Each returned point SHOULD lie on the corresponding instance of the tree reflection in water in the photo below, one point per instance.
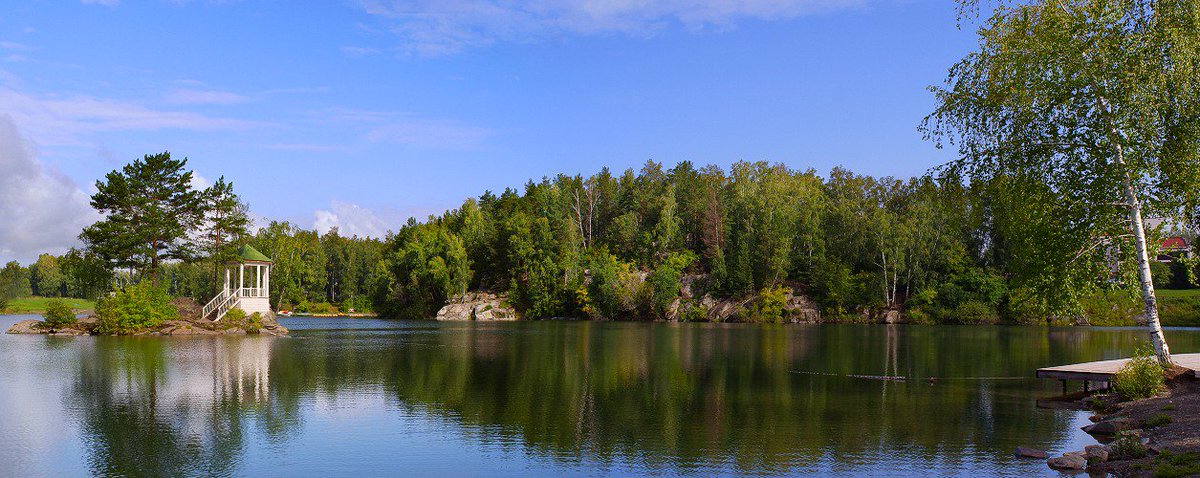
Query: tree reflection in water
(680, 398)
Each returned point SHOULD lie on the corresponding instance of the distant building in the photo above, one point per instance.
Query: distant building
(1173, 248)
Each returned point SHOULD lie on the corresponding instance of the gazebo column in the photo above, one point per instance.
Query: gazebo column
(241, 277)
(266, 280)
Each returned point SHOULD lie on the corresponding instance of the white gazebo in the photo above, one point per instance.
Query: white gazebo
(252, 291)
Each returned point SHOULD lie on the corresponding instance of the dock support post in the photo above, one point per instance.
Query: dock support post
(1064, 385)
(1086, 384)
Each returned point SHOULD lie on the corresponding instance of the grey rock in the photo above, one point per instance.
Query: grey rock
(1026, 452)
(1096, 453)
(1110, 427)
(1070, 461)
(481, 306)
(26, 327)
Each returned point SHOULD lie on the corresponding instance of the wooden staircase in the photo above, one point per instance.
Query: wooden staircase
(220, 305)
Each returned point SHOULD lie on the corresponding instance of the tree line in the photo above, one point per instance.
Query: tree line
(623, 246)
(657, 243)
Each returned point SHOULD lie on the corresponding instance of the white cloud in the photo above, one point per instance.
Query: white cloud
(350, 219)
(199, 182)
(187, 96)
(436, 27)
(61, 120)
(40, 210)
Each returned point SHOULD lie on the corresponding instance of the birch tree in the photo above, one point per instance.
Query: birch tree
(1096, 100)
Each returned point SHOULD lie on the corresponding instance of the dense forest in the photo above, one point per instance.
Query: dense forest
(621, 247)
(643, 245)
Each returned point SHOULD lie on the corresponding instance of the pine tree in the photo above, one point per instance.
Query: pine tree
(150, 208)
(225, 225)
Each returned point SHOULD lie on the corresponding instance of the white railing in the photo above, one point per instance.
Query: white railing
(254, 292)
(220, 305)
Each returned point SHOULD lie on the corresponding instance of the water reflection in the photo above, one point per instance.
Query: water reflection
(152, 407)
(581, 396)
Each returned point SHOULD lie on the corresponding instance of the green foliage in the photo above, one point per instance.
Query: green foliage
(612, 291)
(769, 305)
(1162, 274)
(1158, 420)
(1111, 307)
(86, 275)
(1139, 378)
(1176, 465)
(234, 315)
(1127, 446)
(237, 317)
(46, 278)
(972, 312)
(224, 226)
(426, 265)
(14, 281)
(1080, 116)
(149, 210)
(137, 307)
(58, 314)
(1180, 310)
(664, 282)
(254, 323)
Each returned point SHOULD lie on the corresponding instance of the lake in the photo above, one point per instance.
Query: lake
(369, 397)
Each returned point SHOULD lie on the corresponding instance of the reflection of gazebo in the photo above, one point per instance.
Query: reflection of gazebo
(252, 293)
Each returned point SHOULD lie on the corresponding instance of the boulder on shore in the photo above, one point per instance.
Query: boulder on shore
(483, 306)
(1096, 453)
(30, 326)
(1069, 461)
(1110, 427)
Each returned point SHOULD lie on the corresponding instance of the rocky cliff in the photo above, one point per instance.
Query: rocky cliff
(482, 306)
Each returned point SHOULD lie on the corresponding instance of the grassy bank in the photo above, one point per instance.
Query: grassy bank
(37, 305)
(1179, 308)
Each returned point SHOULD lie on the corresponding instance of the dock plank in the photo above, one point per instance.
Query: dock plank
(1102, 370)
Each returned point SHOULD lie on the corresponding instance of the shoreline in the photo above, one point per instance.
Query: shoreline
(1156, 436)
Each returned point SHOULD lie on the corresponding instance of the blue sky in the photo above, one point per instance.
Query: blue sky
(362, 113)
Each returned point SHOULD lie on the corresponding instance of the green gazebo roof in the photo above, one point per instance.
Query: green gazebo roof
(250, 254)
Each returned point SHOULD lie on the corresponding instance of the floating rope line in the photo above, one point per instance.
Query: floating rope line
(901, 378)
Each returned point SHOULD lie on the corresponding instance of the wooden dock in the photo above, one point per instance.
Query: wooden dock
(1103, 370)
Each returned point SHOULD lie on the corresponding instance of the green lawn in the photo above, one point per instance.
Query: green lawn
(37, 305)
(1177, 293)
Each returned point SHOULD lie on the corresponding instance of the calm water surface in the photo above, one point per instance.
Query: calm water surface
(365, 397)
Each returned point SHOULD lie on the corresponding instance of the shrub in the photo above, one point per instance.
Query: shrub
(918, 317)
(3, 303)
(1172, 465)
(695, 313)
(770, 305)
(1158, 420)
(664, 281)
(1128, 445)
(137, 307)
(58, 314)
(1111, 307)
(254, 323)
(322, 308)
(1161, 273)
(973, 312)
(234, 316)
(1141, 377)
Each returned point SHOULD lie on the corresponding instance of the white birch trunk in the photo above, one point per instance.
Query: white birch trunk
(1143, 258)
(1161, 350)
